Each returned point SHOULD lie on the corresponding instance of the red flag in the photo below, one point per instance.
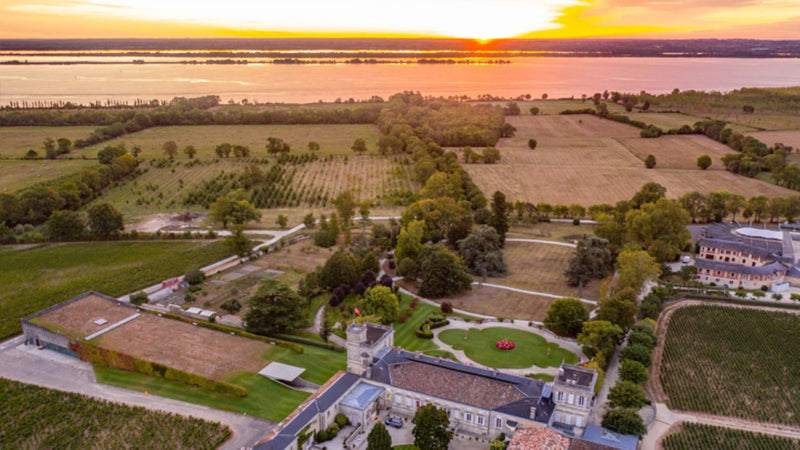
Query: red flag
(356, 311)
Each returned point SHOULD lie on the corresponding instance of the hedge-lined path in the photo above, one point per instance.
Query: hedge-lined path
(53, 370)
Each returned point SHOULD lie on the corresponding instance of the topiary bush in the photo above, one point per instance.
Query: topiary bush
(231, 305)
(194, 276)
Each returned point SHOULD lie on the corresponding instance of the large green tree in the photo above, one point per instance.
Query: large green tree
(636, 267)
(630, 370)
(600, 335)
(65, 225)
(566, 316)
(481, 252)
(499, 218)
(430, 428)
(443, 274)
(592, 259)
(38, 203)
(380, 302)
(274, 308)
(228, 209)
(340, 268)
(409, 241)
(625, 421)
(105, 220)
(619, 309)
(627, 394)
(379, 438)
(661, 228)
(238, 243)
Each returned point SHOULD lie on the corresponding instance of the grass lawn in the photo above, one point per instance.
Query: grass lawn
(530, 350)
(333, 139)
(320, 363)
(404, 332)
(265, 399)
(18, 174)
(33, 278)
(35, 417)
(15, 141)
(549, 231)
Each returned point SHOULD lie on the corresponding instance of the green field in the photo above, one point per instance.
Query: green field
(531, 349)
(33, 278)
(333, 139)
(696, 435)
(15, 141)
(320, 364)
(404, 332)
(35, 417)
(17, 174)
(265, 398)
(734, 362)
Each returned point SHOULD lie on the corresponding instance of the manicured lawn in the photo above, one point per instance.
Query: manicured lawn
(35, 417)
(33, 278)
(530, 350)
(404, 332)
(265, 398)
(320, 363)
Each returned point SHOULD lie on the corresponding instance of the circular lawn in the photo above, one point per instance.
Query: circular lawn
(529, 349)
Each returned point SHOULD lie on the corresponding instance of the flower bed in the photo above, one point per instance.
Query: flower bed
(505, 344)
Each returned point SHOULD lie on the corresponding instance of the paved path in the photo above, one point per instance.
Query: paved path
(523, 291)
(541, 241)
(54, 370)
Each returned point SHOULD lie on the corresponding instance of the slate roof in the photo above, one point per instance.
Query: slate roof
(766, 269)
(604, 438)
(739, 246)
(285, 432)
(575, 376)
(461, 383)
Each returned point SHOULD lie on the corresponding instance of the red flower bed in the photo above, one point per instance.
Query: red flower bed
(505, 344)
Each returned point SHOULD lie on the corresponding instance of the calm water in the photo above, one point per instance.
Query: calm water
(558, 77)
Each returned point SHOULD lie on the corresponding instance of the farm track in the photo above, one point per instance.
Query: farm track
(667, 419)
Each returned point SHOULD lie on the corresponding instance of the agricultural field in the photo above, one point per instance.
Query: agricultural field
(36, 277)
(555, 106)
(309, 185)
(18, 174)
(678, 152)
(665, 121)
(787, 137)
(540, 268)
(35, 417)
(333, 139)
(15, 141)
(587, 160)
(696, 435)
(730, 361)
(531, 349)
(549, 231)
(502, 303)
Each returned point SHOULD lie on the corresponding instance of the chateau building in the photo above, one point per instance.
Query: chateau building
(480, 402)
(737, 264)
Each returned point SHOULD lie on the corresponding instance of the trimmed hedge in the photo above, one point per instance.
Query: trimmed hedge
(116, 360)
(302, 340)
(433, 321)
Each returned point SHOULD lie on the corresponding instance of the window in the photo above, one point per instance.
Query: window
(581, 401)
(480, 420)
(468, 417)
(498, 422)
(416, 403)
(578, 421)
(560, 396)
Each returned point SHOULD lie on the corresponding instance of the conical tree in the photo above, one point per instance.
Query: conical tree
(379, 438)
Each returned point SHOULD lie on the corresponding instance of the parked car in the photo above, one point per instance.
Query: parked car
(394, 422)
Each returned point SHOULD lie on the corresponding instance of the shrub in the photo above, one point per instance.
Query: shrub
(627, 394)
(231, 305)
(446, 307)
(139, 298)
(643, 338)
(194, 276)
(321, 436)
(341, 420)
(532, 144)
(637, 352)
(408, 269)
(333, 430)
(650, 161)
(633, 371)
(624, 420)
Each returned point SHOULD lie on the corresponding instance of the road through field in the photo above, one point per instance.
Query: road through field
(53, 370)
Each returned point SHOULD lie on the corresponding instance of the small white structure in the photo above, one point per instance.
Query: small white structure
(281, 372)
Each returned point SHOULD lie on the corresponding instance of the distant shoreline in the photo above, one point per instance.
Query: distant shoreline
(405, 48)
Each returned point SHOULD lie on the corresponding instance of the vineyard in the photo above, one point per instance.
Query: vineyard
(35, 417)
(699, 436)
(733, 362)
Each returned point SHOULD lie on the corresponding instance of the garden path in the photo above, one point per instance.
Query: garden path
(523, 291)
(540, 241)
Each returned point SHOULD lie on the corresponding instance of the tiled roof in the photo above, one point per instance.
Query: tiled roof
(538, 439)
(766, 269)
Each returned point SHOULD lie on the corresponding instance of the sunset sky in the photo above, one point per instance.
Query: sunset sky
(478, 19)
